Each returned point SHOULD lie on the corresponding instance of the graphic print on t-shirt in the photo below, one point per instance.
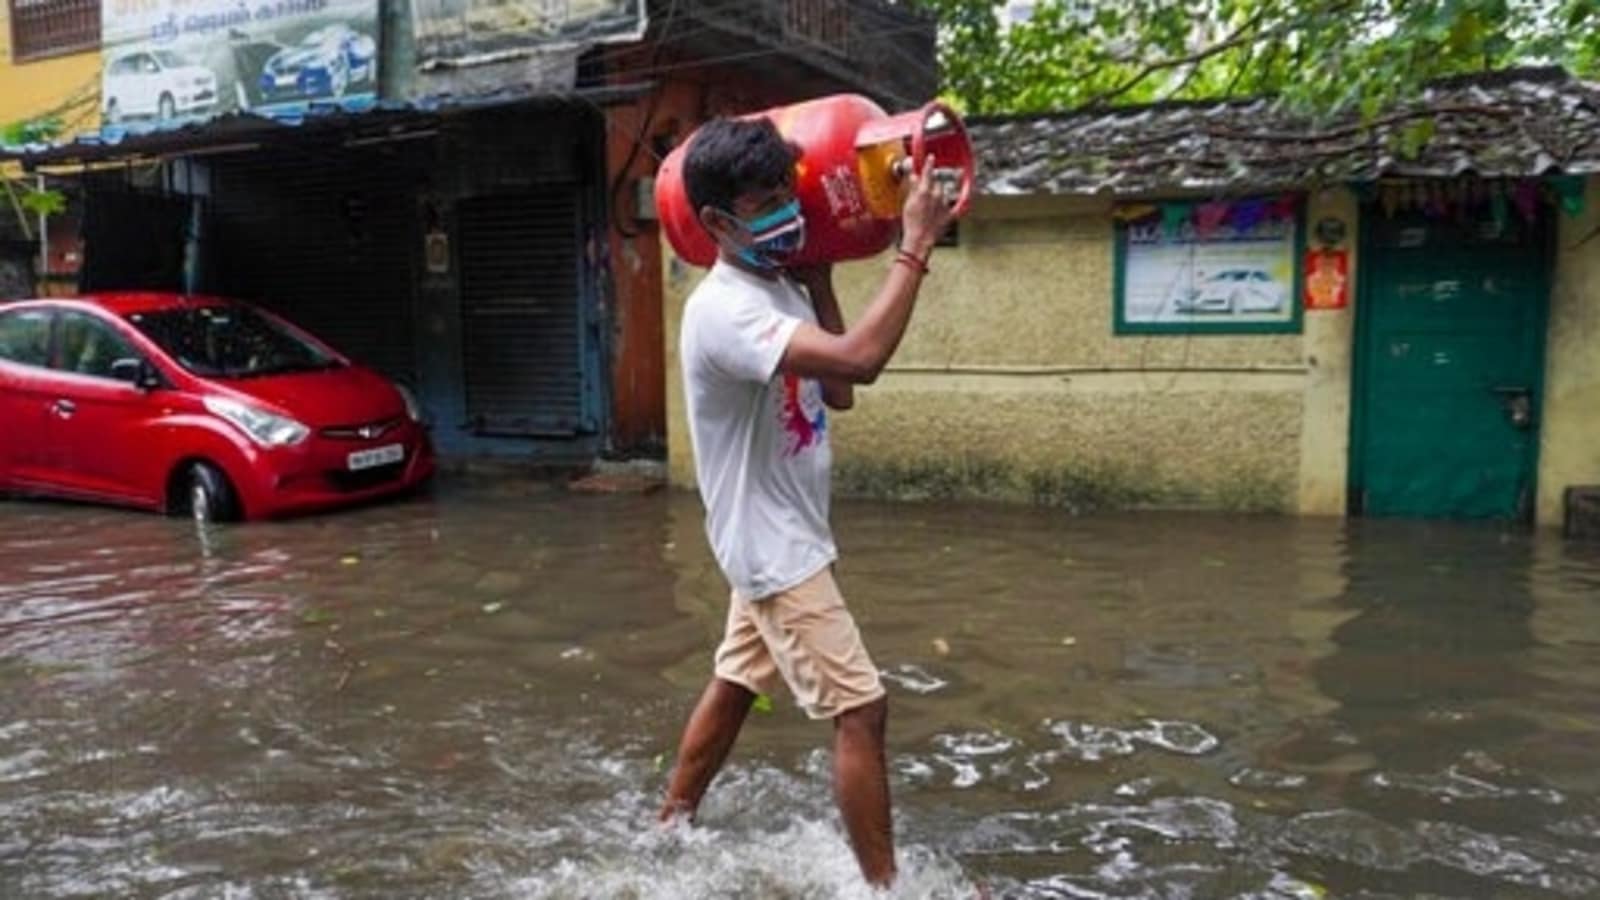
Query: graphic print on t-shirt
(804, 417)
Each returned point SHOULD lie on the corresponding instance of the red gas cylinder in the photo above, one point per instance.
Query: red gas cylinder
(849, 179)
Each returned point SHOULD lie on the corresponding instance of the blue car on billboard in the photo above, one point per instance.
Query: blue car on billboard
(326, 63)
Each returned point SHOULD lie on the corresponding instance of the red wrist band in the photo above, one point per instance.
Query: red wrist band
(912, 260)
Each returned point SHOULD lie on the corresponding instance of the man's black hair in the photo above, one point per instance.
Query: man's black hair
(730, 157)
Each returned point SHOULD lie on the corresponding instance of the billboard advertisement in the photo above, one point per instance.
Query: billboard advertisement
(473, 32)
(172, 61)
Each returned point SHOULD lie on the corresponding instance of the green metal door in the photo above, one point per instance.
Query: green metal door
(1450, 357)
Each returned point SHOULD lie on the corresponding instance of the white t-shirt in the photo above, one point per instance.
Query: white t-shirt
(761, 451)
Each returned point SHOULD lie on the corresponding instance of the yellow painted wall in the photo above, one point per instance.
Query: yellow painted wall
(679, 279)
(1569, 439)
(30, 89)
(1010, 383)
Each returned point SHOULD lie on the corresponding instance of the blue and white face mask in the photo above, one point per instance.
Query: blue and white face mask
(774, 238)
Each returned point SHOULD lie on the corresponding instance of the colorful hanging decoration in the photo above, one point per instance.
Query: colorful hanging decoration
(1440, 200)
(1210, 216)
(1465, 201)
(1247, 214)
(1499, 208)
(1176, 215)
(1418, 197)
(1568, 191)
(1470, 200)
(1392, 196)
(1284, 206)
(1525, 196)
(1364, 191)
(1135, 212)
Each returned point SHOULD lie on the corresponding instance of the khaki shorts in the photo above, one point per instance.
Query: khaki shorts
(805, 636)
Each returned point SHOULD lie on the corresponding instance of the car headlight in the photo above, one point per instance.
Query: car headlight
(413, 408)
(266, 429)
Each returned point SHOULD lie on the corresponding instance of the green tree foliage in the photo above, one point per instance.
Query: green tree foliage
(26, 201)
(1322, 56)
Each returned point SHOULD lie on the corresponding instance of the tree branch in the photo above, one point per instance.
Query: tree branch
(16, 206)
(1239, 36)
(1246, 33)
(1272, 60)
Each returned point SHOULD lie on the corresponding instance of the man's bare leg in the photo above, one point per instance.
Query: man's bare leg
(708, 737)
(861, 788)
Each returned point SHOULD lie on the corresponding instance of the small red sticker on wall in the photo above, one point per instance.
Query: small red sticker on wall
(1327, 279)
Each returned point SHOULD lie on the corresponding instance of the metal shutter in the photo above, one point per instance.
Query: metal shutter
(519, 304)
(133, 241)
(324, 236)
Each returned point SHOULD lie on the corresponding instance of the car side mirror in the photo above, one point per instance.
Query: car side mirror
(136, 372)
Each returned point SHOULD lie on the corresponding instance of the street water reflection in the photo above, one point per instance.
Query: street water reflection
(476, 694)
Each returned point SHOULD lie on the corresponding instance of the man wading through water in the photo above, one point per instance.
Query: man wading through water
(764, 347)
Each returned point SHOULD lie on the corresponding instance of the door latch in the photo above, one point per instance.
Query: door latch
(1517, 401)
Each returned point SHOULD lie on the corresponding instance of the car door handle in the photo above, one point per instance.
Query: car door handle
(64, 408)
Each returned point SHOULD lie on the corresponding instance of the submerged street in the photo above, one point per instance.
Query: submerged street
(476, 693)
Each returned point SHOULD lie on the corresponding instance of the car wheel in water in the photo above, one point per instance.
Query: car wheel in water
(210, 497)
(167, 108)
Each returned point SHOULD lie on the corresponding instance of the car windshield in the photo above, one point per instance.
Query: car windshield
(168, 59)
(230, 342)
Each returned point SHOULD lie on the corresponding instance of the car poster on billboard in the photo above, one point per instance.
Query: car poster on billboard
(473, 32)
(1222, 266)
(174, 61)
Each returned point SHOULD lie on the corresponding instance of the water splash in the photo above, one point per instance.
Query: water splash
(1093, 743)
(801, 858)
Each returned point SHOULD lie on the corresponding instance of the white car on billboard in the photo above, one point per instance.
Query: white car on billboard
(157, 83)
(1232, 291)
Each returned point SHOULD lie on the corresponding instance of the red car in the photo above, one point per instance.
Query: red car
(195, 405)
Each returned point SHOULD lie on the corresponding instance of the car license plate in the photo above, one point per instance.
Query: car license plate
(377, 456)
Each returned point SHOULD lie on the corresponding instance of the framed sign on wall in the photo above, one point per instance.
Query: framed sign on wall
(1229, 267)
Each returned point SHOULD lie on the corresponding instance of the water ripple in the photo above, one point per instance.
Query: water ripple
(914, 678)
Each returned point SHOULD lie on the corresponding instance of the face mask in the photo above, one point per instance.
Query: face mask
(774, 238)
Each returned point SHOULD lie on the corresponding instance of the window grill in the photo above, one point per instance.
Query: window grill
(45, 28)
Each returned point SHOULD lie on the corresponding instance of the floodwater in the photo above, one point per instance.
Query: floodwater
(476, 694)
